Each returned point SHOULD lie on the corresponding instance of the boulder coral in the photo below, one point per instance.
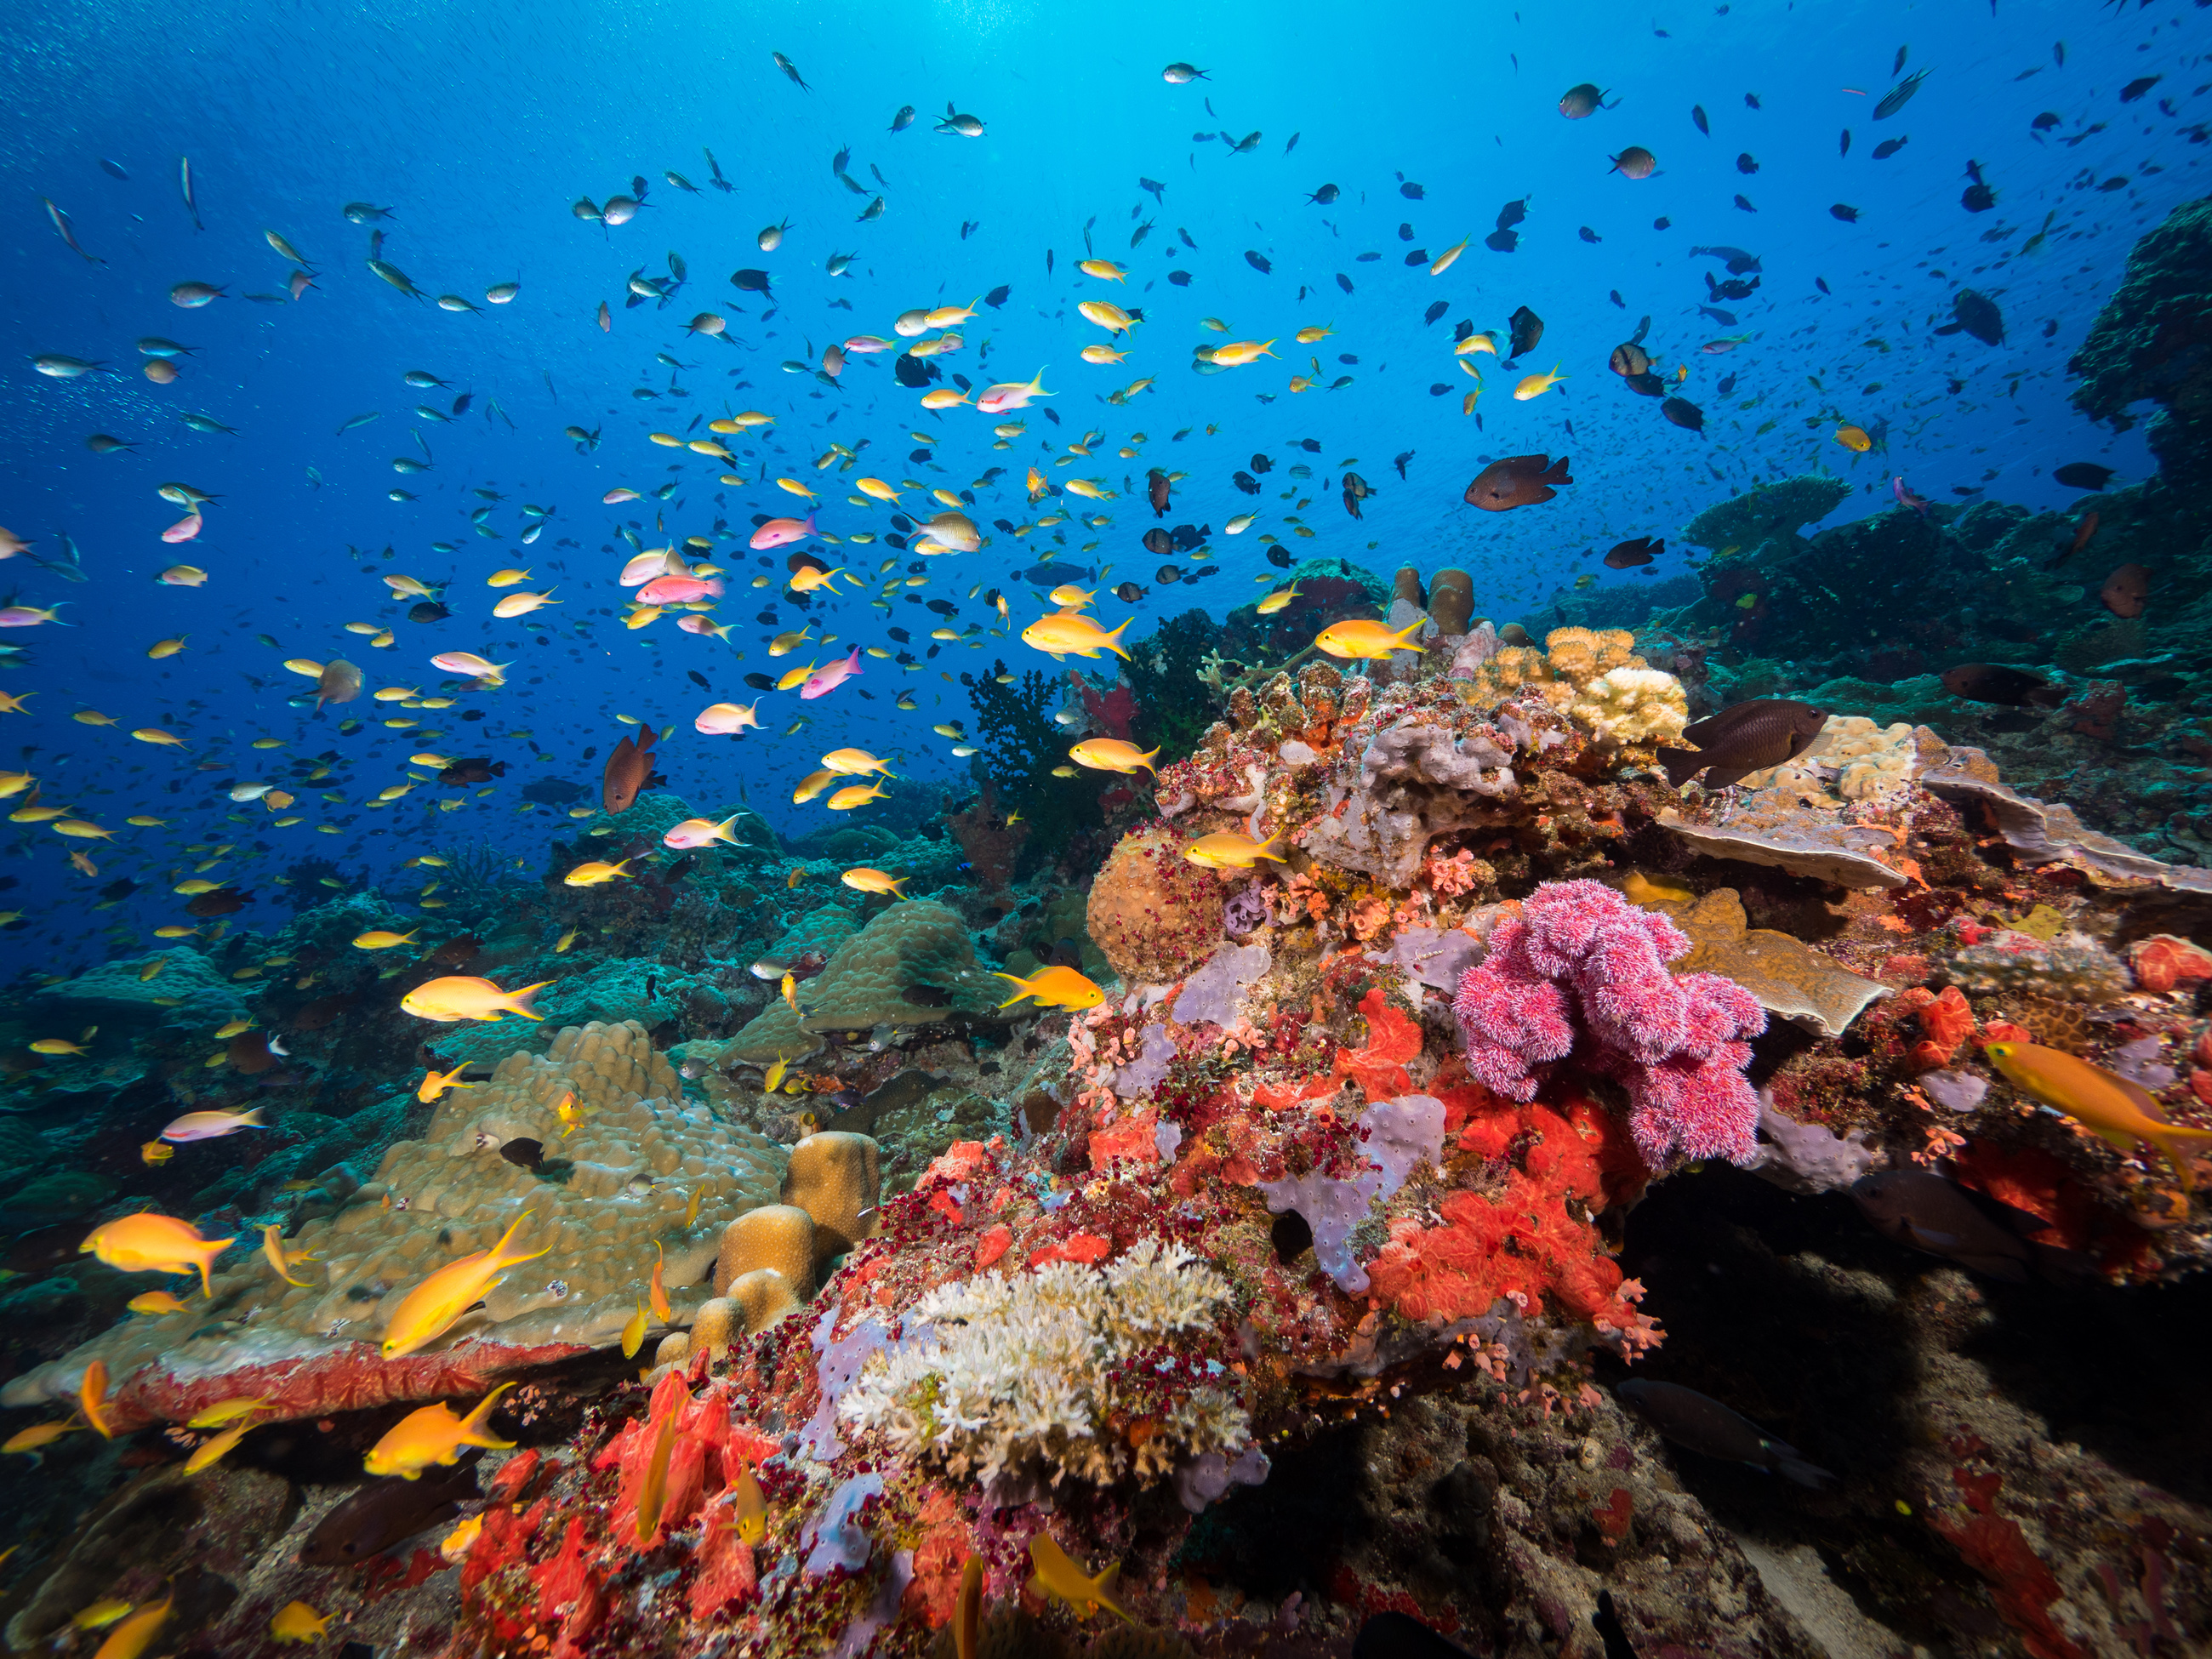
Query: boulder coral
(1154, 912)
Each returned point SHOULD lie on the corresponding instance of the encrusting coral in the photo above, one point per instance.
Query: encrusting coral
(1582, 972)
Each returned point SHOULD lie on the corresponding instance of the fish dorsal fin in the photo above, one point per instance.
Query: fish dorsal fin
(2144, 1100)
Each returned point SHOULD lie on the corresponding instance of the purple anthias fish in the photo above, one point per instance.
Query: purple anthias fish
(1917, 503)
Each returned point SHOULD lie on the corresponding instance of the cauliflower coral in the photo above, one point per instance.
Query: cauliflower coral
(1096, 1372)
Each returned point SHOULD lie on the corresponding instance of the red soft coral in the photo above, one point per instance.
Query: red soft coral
(1393, 1039)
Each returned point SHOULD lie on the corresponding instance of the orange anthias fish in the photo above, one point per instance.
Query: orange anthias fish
(429, 1311)
(434, 1435)
(151, 1243)
(2102, 1101)
(657, 1293)
(131, 1638)
(1059, 1577)
(672, 1397)
(92, 1398)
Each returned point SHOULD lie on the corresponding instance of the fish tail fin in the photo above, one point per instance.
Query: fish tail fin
(251, 1119)
(899, 888)
(714, 587)
(1682, 764)
(1013, 979)
(1409, 629)
(518, 1002)
(1036, 385)
(1112, 642)
(205, 1257)
(499, 1250)
(473, 1433)
(811, 530)
(1262, 851)
(1144, 760)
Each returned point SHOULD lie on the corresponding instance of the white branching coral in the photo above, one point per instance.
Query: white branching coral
(1633, 704)
(1069, 1370)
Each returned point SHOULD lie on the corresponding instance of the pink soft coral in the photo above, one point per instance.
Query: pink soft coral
(1583, 971)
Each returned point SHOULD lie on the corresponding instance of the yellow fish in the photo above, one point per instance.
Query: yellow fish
(454, 1547)
(1054, 988)
(1057, 1576)
(272, 1248)
(213, 1451)
(131, 1638)
(2108, 1104)
(38, 1435)
(295, 1621)
(1106, 269)
(1313, 334)
(654, 1489)
(857, 795)
(1535, 386)
(1443, 260)
(1101, 354)
(1112, 755)
(382, 939)
(595, 873)
(1278, 600)
(462, 996)
(92, 1398)
(1854, 439)
(1237, 353)
(500, 579)
(152, 1243)
(434, 1435)
(1068, 597)
(435, 1083)
(806, 578)
(225, 1410)
(865, 880)
(750, 1504)
(156, 1303)
(1111, 318)
(429, 1310)
(855, 762)
(784, 644)
(811, 786)
(1370, 641)
(796, 677)
(633, 1333)
(100, 1614)
(1068, 633)
(1228, 850)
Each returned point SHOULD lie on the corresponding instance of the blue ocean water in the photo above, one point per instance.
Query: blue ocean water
(476, 129)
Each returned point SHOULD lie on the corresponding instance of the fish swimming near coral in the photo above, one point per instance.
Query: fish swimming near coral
(1054, 988)
(2001, 682)
(2104, 1102)
(1743, 738)
(1922, 1210)
(385, 1512)
(629, 770)
(1706, 1426)
(1057, 1576)
(1517, 481)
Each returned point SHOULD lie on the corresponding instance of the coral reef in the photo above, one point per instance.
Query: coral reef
(2151, 342)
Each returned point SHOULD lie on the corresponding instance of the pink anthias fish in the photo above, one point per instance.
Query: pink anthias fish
(701, 832)
(679, 589)
(702, 625)
(781, 533)
(821, 683)
(1917, 503)
(727, 719)
(1010, 394)
(184, 529)
(212, 1126)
